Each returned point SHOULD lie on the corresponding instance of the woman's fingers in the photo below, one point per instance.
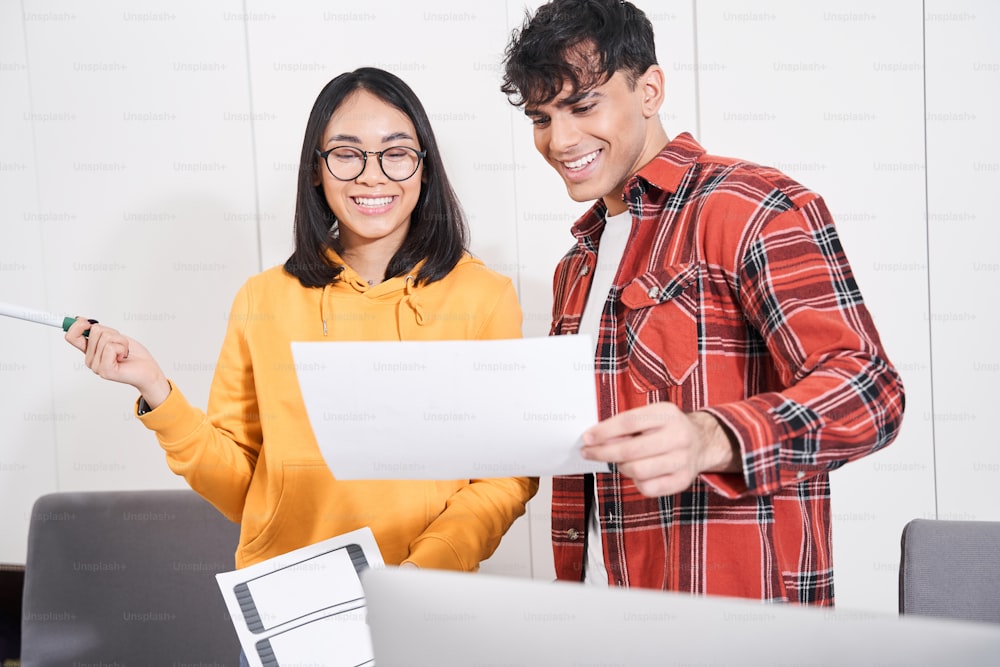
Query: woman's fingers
(75, 334)
(106, 349)
(114, 356)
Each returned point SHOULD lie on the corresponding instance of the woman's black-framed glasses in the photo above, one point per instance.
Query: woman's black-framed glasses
(346, 163)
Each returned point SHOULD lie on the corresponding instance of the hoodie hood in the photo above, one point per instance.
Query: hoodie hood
(400, 293)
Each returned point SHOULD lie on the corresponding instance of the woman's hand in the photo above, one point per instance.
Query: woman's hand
(114, 356)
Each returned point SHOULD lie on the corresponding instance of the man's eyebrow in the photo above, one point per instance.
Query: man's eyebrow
(576, 98)
(568, 101)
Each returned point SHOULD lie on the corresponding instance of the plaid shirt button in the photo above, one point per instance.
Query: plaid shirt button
(653, 292)
(572, 533)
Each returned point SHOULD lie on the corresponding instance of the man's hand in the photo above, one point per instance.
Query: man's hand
(661, 448)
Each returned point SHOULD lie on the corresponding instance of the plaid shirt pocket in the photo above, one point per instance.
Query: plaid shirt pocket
(661, 326)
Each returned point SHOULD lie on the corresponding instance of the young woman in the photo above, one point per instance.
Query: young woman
(379, 255)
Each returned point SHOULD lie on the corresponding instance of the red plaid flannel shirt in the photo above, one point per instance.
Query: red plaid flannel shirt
(734, 296)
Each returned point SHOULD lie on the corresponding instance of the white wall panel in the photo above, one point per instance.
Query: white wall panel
(286, 75)
(833, 96)
(447, 51)
(545, 213)
(456, 71)
(27, 411)
(963, 112)
(146, 158)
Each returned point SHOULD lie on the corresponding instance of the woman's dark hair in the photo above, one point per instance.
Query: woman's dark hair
(437, 230)
(583, 42)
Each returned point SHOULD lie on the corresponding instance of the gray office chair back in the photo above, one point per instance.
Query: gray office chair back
(951, 569)
(127, 578)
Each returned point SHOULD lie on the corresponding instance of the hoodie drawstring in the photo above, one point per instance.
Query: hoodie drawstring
(322, 307)
(410, 300)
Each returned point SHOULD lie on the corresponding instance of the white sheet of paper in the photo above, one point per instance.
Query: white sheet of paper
(306, 606)
(450, 409)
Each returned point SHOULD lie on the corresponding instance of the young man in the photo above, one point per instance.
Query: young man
(736, 361)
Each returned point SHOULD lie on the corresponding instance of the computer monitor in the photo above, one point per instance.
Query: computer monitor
(425, 617)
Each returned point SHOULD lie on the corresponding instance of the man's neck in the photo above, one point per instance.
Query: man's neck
(614, 200)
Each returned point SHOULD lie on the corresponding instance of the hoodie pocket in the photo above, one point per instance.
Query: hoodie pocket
(661, 326)
(285, 516)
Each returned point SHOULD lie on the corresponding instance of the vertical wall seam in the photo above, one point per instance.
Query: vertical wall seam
(697, 70)
(253, 140)
(927, 242)
(517, 273)
(41, 244)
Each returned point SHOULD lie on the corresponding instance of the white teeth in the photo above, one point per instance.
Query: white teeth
(373, 202)
(582, 162)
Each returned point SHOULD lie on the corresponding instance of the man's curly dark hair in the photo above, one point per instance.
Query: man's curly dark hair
(582, 42)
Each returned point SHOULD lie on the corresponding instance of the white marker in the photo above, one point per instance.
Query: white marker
(38, 316)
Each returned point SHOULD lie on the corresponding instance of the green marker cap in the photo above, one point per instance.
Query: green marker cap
(68, 322)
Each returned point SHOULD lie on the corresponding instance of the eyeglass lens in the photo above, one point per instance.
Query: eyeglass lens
(347, 163)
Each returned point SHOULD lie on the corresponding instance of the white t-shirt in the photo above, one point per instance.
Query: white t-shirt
(609, 255)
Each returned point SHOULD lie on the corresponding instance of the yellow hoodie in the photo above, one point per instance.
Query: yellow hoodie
(254, 455)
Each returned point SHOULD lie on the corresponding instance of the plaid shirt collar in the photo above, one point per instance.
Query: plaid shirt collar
(664, 172)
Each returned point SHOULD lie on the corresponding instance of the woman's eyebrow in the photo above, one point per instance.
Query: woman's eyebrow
(353, 139)
(396, 136)
(349, 138)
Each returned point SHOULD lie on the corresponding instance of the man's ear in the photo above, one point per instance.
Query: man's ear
(650, 85)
